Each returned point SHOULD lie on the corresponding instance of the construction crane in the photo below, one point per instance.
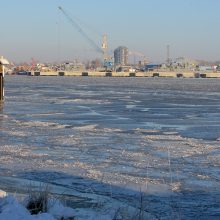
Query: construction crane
(102, 50)
(139, 55)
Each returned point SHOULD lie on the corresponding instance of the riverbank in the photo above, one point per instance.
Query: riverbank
(15, 207)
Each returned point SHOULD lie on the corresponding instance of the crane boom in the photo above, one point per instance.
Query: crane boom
(80, 30)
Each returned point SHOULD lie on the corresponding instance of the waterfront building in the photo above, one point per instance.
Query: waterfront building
(121, 56)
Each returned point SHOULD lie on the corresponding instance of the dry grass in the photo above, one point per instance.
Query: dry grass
(38, 200)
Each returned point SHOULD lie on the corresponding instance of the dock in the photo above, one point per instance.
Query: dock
(130, 74)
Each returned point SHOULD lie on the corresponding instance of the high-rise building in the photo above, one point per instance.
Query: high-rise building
(121, 56)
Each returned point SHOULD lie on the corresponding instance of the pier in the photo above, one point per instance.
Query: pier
(164, 74)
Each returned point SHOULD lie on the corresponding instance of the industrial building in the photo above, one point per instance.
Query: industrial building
(121, 56)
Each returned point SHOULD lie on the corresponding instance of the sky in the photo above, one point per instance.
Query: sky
(38, 29)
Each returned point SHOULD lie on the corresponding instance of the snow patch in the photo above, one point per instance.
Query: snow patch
(2, 194)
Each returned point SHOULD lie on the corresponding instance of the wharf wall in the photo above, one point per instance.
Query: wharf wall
(131, 74)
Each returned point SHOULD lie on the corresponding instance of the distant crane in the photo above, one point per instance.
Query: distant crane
(137, 54)
(102, 50)
(168, 55)
(33, 64)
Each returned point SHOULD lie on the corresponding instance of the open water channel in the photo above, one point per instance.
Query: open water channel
(149, 143)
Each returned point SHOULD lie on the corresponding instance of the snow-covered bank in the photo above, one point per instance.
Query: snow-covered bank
(12, 208)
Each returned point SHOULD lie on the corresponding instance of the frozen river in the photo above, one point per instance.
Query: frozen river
(151, 143)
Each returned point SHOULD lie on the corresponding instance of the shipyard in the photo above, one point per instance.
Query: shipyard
(120, 67)
(122, 62)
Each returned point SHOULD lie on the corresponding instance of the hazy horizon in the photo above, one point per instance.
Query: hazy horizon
(38, 29)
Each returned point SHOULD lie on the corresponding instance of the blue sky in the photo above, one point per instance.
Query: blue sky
(36, 28)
